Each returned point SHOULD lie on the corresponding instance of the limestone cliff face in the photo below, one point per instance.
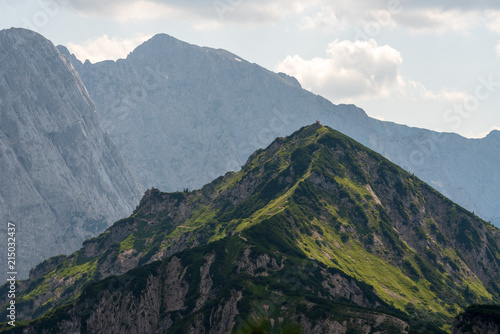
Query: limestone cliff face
(62, 179)
(183, 115)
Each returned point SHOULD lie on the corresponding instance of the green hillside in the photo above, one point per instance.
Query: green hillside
(316, 196)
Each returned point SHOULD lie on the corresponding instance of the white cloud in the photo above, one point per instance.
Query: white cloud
(352, 69)
(127, 11)
(360, 70)
(414, 16)
(324, 19)
(493, 21)
(106, 48)
(368, 75)
(342, 16)
(326, 15)
(497, 49)
(201, 13)
(142, 11)
(493, 24)
(438, 20)
(373, 17)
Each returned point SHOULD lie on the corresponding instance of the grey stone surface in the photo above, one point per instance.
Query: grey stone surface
(183, 115)
(62, 179)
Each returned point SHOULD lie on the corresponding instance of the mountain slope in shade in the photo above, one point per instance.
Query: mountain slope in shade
(183, 115)
(315, 197)
(478, 319)
(62, 180)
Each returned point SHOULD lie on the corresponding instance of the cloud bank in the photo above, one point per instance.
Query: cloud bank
(417, 16)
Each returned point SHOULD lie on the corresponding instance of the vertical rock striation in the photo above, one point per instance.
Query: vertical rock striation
(62, 179)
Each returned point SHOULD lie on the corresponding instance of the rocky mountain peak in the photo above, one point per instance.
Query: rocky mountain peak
(161, 46)
(20, 37)
(184, 114)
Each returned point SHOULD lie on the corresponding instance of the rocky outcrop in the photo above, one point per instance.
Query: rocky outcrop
(62, 180)
(127, 311)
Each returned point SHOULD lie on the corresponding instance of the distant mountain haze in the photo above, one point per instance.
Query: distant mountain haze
(183, 114)
(62, 180)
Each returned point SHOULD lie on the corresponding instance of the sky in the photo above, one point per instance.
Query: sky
(428, 64)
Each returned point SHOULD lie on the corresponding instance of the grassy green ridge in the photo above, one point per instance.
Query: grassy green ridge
(325, 196)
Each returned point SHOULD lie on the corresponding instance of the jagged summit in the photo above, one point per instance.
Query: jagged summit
(160, 45)
(74, 61)
(62, 179)
(316, 196)
(164, 41)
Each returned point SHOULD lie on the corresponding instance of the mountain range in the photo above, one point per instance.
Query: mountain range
(62, 180)
(315, 234)
(183, 114)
